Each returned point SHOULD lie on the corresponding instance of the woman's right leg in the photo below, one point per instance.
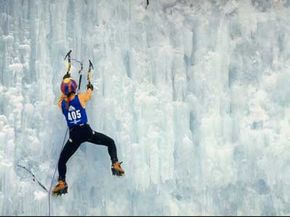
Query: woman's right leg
(101, 139)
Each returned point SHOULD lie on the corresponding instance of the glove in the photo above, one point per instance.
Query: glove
(90, 86)
(66, 76)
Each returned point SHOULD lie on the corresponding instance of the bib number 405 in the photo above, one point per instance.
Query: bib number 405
(73, 115)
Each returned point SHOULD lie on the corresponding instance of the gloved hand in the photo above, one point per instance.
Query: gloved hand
(66, 76)
(90, 86)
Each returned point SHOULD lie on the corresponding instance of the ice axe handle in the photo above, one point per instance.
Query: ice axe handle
(68, 55)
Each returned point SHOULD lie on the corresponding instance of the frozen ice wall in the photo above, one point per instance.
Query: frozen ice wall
(195, 94)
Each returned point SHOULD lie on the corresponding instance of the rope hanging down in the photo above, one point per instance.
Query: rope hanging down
(63, 143)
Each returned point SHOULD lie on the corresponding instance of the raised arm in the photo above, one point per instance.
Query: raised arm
(86, 96)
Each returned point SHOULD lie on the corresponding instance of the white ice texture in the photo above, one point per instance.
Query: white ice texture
(195, 93)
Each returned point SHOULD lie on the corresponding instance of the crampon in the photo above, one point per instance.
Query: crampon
(117, 169)
(60, 188)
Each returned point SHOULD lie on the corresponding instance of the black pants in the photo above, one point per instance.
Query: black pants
(81, 134)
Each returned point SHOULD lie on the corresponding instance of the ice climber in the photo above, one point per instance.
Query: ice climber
(73, 108)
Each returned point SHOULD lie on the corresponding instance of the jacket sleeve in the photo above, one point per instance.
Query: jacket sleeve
(85, 97)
